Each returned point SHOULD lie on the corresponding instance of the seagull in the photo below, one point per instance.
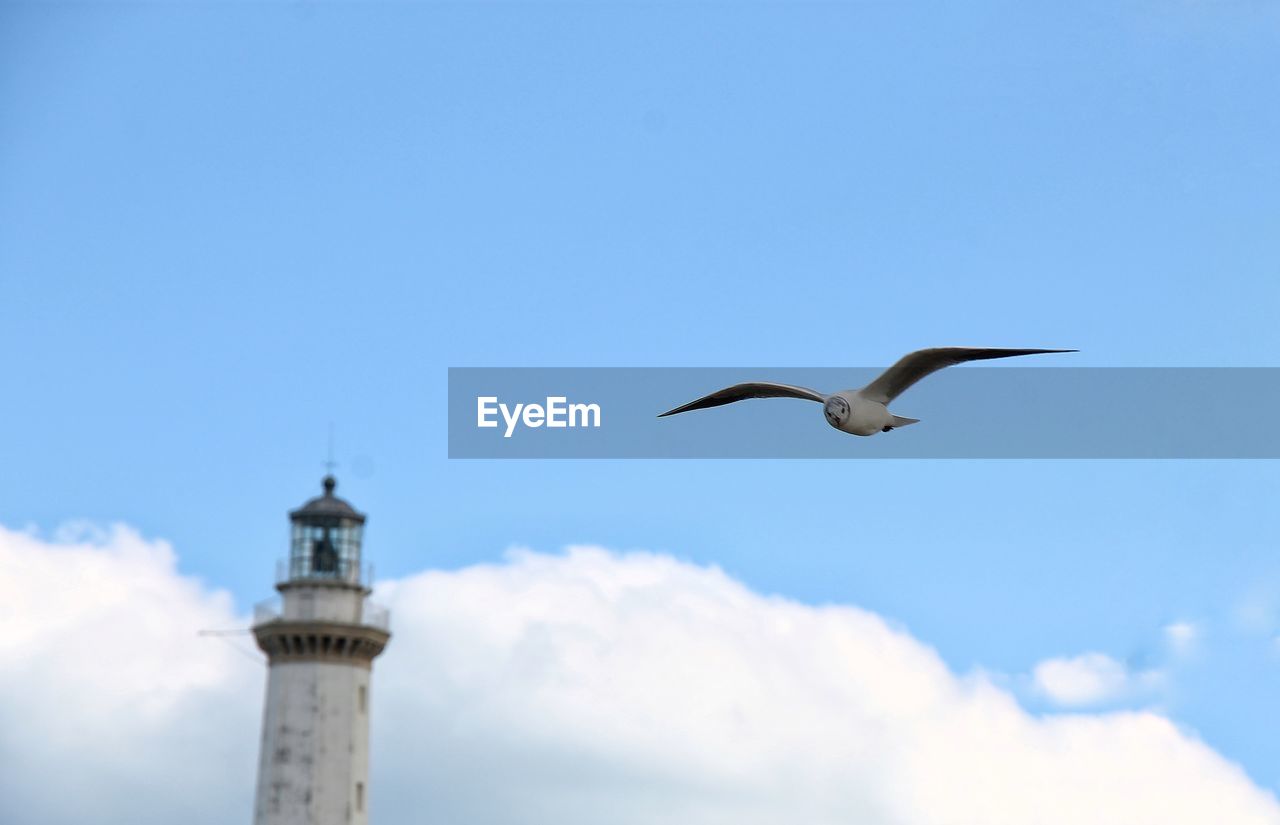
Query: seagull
(864, 411)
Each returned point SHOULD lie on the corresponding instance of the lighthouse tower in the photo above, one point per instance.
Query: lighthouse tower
(320, 638)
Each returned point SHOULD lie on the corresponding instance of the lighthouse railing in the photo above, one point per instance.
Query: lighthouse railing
(372, 614)
(375, 615)
(267, 610)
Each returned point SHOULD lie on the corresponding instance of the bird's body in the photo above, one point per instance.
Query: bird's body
(863, 411)
(849, 412)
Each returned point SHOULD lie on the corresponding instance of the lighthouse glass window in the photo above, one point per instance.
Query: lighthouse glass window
(325, 549)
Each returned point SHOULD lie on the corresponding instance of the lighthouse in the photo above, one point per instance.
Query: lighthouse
(320, 637)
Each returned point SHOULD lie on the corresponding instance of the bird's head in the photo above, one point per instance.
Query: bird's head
(836, 409)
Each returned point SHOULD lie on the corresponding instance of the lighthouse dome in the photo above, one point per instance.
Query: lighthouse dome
(327, 506)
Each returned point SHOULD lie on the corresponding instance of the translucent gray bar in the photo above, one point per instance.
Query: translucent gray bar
(965, 412)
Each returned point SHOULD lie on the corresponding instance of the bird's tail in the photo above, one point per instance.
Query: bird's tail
(899, 421)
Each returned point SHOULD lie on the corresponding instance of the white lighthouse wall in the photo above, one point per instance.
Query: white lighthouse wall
(315, 750)
(321, 603)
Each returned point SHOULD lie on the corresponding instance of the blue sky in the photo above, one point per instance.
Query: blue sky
(224, 226)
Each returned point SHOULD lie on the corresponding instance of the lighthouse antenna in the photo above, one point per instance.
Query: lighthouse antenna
(329, 463)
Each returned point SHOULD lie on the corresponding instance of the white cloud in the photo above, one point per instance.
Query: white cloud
(112, 709)
(638, 689)
(1082, 680)
(1256, 610)
(1182, 637)
(571, 689)
(1090, 679)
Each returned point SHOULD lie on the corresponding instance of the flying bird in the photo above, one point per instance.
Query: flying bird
(864, 411)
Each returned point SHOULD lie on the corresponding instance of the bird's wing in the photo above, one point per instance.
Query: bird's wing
(916, 365)
(739, 392)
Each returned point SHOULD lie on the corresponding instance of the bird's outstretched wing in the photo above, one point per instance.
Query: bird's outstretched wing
(739, 392)
(916, 365)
